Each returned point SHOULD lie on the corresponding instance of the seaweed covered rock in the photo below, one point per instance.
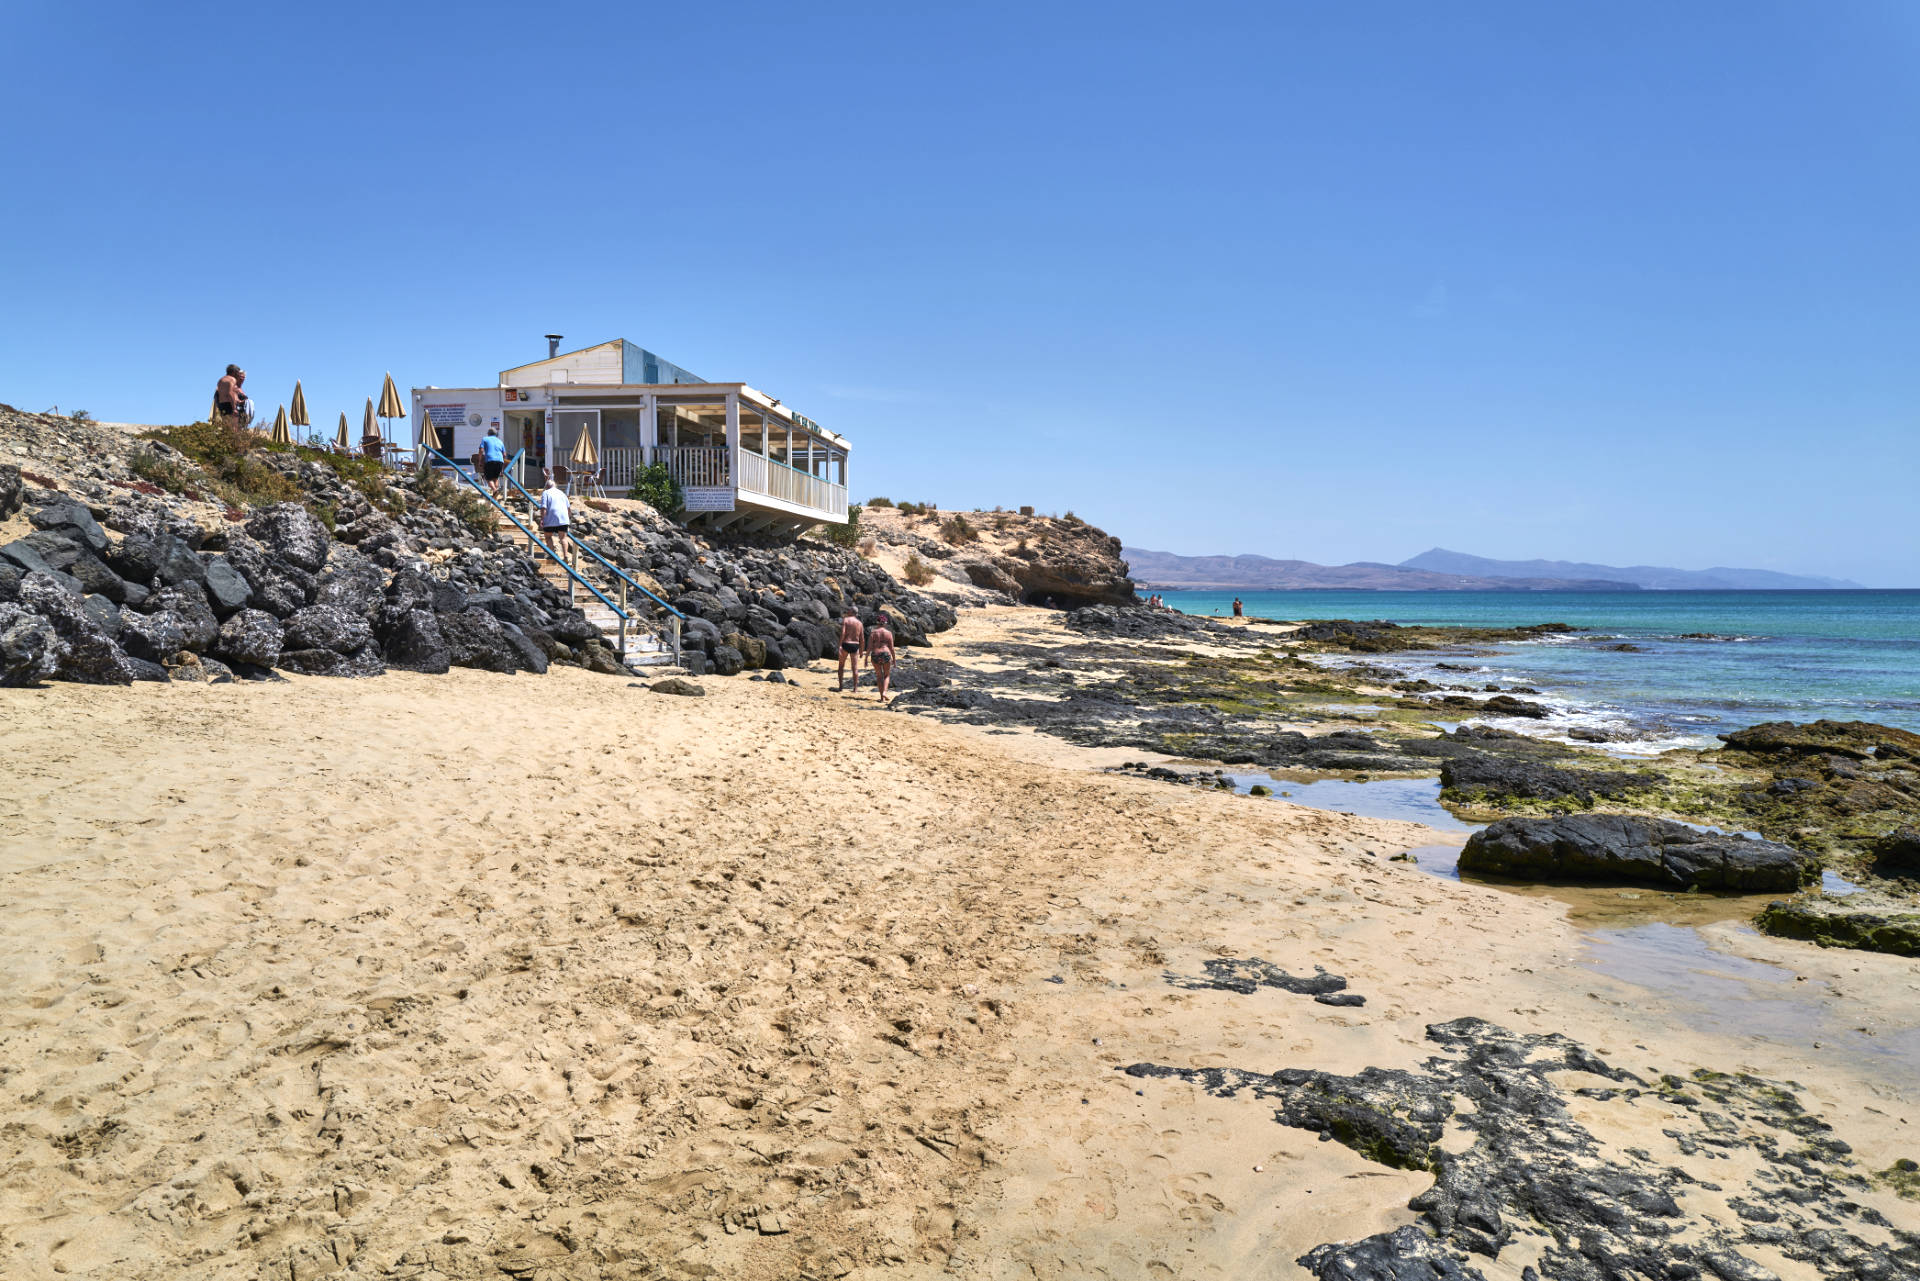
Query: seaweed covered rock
(1869, 921)
(1859, 740)
(1497, 779)
(1618, 848)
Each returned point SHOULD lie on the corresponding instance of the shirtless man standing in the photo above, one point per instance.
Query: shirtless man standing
(880, 649)
(852, 635)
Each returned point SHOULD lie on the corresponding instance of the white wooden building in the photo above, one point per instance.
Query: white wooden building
(742, 458)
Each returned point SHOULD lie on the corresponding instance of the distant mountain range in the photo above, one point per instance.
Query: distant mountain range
(1445, 571)
(1651, 577)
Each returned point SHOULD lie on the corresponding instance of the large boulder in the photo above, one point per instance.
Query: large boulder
(90, 656)
(411, 640)
(154, 637)
(1617, 848)
(25, 557)
(95, 578)
(177, 562)
(74, 519)
(252, 637)
(30, 649)
(727, 661)
(475, 639)
(1897, 853)
(227, 591)
(292, 533)
(528, 655)
(331, 627)
(188, 604)
(352, 582)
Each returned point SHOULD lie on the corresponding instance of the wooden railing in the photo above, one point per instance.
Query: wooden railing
(777, 480)
(618, 467)
(695, 466)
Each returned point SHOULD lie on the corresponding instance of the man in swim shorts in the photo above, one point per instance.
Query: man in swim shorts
(880, 650)
(851, 636)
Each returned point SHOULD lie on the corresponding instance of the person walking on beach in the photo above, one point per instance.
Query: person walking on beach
(229, 401)
(852, 635)
(493, 458)
(880, 651)
(553, 516)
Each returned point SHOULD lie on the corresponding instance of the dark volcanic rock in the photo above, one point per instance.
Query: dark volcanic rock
(227, 591)
(1492, 778)
(73, 518)
(292, 533)
(1897, 853)
(30, 649)
(1615, 847)
(474, 639)
(330, 627)
(411, 640)
(188, 605)
(1535, 1178)
(1249, 975)
(678, 685)
(11, 489)
(251, 637)
(87, 655)
(1859, 740)
(154, 637)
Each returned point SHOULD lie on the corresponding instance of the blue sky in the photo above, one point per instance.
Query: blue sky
(1625, 282)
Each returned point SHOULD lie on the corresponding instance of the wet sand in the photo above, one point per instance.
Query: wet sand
(556, 977)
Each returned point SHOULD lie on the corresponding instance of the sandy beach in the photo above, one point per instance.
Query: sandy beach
(477, 975)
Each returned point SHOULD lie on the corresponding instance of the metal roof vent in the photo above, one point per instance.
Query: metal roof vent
(553, 345)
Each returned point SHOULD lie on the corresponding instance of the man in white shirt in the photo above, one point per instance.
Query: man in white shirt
(553, 516)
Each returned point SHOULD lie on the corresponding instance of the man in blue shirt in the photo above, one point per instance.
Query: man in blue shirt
(493, 458)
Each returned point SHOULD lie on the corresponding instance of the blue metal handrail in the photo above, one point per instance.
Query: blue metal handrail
(613, 568)
(532, 539)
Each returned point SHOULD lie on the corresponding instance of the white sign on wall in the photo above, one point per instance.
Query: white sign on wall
(708, 499)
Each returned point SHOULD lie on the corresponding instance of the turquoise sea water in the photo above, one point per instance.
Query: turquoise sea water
(1774, 655)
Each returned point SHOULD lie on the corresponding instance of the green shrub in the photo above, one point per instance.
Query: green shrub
(656, 487)
(917, 572)
(475, 512)
(879, 502)
(846, 534)
(959, 530)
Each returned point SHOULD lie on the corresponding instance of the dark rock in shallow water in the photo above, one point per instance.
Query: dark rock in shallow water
(1614, 847)
(1869, 921)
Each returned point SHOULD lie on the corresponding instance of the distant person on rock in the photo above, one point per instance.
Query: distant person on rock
(880, 651)
(852, 635)
(229, 401)
(493, 458)
(553, 517)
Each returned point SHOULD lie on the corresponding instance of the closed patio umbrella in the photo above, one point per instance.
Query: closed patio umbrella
(297, 415)
(370, 437)
(390, 406)
(343, 442)
(584, 454)
(429, 437)
(281, 436)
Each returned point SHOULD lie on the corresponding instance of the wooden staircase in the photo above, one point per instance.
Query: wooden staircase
(644, 647)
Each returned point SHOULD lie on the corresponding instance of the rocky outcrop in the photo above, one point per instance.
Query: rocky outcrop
(1854, 740)
(1616, 848)
(1488, 779)
(1035, 560)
